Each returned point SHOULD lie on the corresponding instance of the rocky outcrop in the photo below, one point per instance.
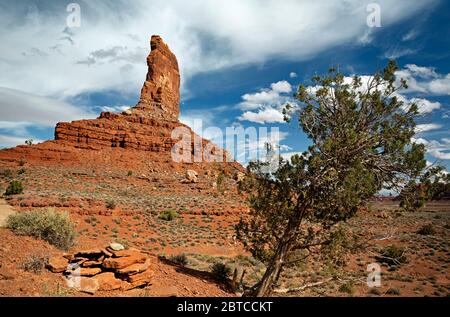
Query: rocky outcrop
(148, 126)
(160, 94)
(105, 269)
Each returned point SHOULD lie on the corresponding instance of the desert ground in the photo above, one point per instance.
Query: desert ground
(126, 208)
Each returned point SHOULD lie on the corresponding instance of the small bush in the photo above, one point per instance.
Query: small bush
(426, 230)
(180, 259)
(7, 173)
(35, 264)
(220, 271)
(393, 291)
(168, 215)
(111, 204)
(392, 256)
(14, 188)
(347, 288)
(130, 173)
(21, 171)
(53, 227)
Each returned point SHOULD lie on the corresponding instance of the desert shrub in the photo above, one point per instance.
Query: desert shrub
(220, 271)
(130, 173)
(180, 259)
(35, 263)
(55, 228)
(7, 173)
(426, 230)
(110, 204)
(14, 188)
(347, 288)
(168, 215)
(393, 291)
(21, 162)
(392, 256)
(374, 291)
(21, 171)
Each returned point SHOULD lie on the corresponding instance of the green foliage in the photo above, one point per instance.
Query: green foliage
(430, 185)
(14, 188)
(392, 256)
(168, 215)
(220, 271)
(111, 204)
(347, 287)
(29, 142)
(180, 259)
(426, 230)
(55, 228)
(130, 173)
(361, 143)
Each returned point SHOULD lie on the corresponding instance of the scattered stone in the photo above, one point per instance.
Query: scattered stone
(57, 264)
(124, 253)
(191, 176)
(139, 280)
(116, 246)
(135, 268)
(120, 263)
(92, 263)
(90, 271)
(88, 253)
(108, 281)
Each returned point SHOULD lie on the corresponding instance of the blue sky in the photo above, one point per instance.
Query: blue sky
(240, 61)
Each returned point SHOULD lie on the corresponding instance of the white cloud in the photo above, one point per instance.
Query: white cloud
(18, 106)
(425, 105)
(281, 87)
(396, 53)
(205, 35)
(266, 115)
(293, 75)
(439, 150)
(427, 127)
(266, 105)
(425, 80)
(7, 141)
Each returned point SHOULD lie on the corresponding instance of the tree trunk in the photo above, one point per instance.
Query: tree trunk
(273, 271)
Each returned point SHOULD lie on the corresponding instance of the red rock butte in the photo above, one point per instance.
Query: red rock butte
(144, 129)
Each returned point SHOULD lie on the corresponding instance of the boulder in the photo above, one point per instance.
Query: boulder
(88, 285)
(116, 246)
(139, 280)
(57, 264)
(135, 268)
(108, 282)
(191, 176)
(123, 262)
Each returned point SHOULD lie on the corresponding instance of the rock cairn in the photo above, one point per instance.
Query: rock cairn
(104, 269)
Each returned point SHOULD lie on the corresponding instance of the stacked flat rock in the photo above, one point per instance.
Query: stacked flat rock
(107, 269)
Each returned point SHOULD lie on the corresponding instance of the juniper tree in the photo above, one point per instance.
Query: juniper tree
(361, 142)
(433, 183)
